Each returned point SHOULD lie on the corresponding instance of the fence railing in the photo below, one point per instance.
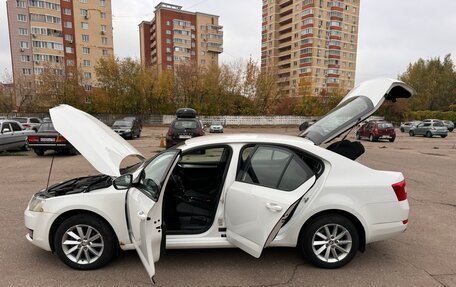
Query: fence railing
(167, 119)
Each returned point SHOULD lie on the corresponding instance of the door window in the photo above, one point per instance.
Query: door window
(16, 127)
(213, 155)
(275, 167)
(34, 121)
(6, 127)
(153, 175)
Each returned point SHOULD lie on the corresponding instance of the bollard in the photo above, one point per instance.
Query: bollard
(162, 141)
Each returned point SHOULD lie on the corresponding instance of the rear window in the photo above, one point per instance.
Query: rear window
(438, 124)
(46, 127)
(21, 120)
(185, 125)
(385, 125)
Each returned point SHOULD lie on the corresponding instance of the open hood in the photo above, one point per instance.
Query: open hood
(100, 145)
(361, 102)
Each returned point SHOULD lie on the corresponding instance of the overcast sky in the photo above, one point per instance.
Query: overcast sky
(392, 33)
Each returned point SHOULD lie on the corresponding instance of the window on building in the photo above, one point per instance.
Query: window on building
(23, 31)
(105, 52)
(86, 63)
(84, 12)
(84, 25)
(25, 58)
(69, 50)
(69, 37)
(83, 1)
(20, 4)
(169, 58)
(68, 24)
(87, 75)
(26, 71)
(67, 11)
(102, 3)
(85, 50)
(104, 41)
(103, 28)
(168, 32)
(87, 87)
(70, 62)
(23, 45)
(102, 15)
(85, 38)
(21, 18)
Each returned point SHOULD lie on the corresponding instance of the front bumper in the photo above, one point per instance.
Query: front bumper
(38, 225)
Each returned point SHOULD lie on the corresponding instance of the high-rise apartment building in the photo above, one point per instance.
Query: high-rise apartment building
(58, 34)
(310, 43)
(176, 36)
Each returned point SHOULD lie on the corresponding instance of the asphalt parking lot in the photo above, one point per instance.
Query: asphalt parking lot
(425, 255)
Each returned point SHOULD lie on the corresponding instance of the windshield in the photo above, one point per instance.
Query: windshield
(21, 120)
(339, 119)
(216, 123)
(122, 124)
(47, 127)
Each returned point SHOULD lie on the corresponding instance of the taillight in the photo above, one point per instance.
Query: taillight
(399, 189)
(200, 131)
(26, 125)
(33, 139)
(61, 139)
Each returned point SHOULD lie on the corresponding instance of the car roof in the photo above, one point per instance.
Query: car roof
(247, 138)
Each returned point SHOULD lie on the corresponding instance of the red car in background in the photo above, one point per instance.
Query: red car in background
(376, 130)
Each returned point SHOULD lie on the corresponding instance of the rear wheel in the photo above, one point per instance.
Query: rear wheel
(371, 138)
(84, 242)
(329, 241)
(392, 140)
(39, 152)
(412, 133)
(25, 147)
(428, 134)
(358, 136)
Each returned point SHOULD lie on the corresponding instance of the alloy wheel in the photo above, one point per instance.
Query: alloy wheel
(331, 243)
(82, 244)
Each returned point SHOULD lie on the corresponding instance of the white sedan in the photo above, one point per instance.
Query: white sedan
(249, 191)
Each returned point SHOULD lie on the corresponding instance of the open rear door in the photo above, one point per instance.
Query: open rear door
(264, 195)
(144, 208)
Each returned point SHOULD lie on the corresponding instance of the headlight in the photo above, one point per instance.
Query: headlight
(36, 204)
(127, 131)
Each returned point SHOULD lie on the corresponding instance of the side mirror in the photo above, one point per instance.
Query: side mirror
(123, 182)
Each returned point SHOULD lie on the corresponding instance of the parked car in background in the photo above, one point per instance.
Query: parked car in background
(29, 123)
(241, 191)
(405, 126)
(449, 125)
(430, 129)
(376, 130)
(47, 138)
(216, 127)
(12, 136)
(185, 126)
(127, 128)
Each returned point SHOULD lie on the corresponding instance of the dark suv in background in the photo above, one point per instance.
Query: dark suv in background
(375, 130)
(186, 125)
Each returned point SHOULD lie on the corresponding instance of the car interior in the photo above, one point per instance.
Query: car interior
(194, 189)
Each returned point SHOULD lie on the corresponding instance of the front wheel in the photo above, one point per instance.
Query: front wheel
(402, 130)
(84, 242)
(329, 241)
(392, 140)
(443, 136)
(371, 138)
(428, 134)
(412, 133)
(358, 136)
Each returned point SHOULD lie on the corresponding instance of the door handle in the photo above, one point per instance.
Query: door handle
(273, 207)
(142, 216)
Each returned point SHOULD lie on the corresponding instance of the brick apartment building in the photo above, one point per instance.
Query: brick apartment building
(176, 36)
(58, 34)
(312, 42)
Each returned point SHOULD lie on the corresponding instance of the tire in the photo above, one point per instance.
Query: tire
(443, 136)
(428, 134)
(358, 136)
(371, 138)
(402, 130)
(338, 254)
(412, 133)
(99, 250)
(392, 140)
(39, 152)
(25, 147)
